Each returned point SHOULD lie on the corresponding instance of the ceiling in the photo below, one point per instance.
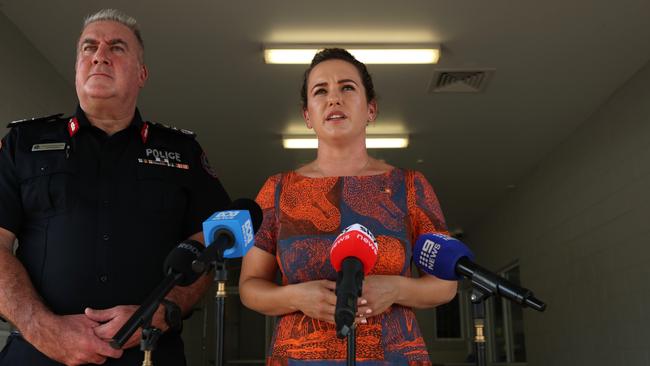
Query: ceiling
(556, 62)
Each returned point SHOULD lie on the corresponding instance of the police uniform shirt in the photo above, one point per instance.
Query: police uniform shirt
(96, 215)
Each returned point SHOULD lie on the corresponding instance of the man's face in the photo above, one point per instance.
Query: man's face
(109, 64)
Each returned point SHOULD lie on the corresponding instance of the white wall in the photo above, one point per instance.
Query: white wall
(580, 227)
(29, 87)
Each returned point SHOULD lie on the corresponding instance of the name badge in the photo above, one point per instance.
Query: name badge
(49, 147)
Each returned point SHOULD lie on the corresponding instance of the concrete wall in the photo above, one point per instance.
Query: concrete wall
(579, 226)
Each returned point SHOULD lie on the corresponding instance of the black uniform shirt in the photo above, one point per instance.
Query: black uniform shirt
(96, 215)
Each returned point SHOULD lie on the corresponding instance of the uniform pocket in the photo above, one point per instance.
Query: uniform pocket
(47, 187)
(160, 190)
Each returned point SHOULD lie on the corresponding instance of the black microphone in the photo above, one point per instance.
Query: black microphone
(449, 259)
(352, 255)
(229, 233)
(178, 270)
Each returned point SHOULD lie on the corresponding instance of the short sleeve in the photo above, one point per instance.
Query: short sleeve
(424, 208)
(10, 199)
(205, 192)
(266, 237)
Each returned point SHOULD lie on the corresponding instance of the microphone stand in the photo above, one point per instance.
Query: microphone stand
(148, 340)
(352, 352)
(213, 257)
(480, 293)
(220, 278)
(143, 316)
(478, 298)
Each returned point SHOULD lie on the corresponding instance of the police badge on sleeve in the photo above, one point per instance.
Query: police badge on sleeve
(206, 165)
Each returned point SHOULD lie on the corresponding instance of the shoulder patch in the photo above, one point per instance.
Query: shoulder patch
(206, 166)
(54, 117)
(181, 131)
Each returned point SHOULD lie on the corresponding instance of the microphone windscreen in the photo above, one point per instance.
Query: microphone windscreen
(241, 219)
(437, 255)
(355, 241)
(252, 207)
(180, 259)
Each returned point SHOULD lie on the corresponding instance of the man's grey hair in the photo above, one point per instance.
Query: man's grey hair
(116, 16)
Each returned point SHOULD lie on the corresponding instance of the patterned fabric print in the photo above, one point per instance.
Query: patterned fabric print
(265, 236)
(293, 362)
(301, 337)
(391, 258)
(396, 329)
(303, 216)
(310, 207)
(424, 208)
(306, 259)
(371, 197)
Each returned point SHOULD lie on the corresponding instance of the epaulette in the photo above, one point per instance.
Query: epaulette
(54, 117)
(181, 131)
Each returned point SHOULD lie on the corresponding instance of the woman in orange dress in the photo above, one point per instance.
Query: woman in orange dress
(306, 209)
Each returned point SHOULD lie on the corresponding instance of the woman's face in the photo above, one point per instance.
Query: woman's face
(336, 102)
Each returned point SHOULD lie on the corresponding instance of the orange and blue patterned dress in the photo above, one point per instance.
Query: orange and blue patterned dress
(303, 216)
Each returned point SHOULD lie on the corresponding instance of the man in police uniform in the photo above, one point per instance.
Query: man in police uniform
(97, 201)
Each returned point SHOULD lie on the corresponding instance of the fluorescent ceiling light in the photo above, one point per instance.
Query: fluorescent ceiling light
(428, 55)
(372, 142)
(299, 142)
(387, 142)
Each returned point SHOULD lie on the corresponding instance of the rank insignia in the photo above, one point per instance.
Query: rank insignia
(73, 126)
(54, 117)
(144, 132)
(164, 162)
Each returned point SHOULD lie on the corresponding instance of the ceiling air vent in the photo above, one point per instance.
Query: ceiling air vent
(460, 81)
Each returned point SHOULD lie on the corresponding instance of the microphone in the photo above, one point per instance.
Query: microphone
(353, 255)
(449, 259)
(229, 233)
(178, 271)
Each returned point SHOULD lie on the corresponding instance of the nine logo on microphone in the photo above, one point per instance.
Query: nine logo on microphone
(429, 253)
(359, 232)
